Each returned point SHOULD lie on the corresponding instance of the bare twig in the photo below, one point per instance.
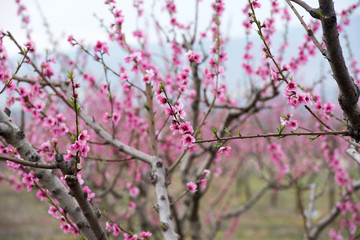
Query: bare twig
(240, 210)
(28, 80)
(308, 30)
(303, 4)
(29, 164)
(277, 135)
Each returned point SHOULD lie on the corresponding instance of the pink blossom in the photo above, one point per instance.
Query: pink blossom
(28, 179)
(47, 70)
(188, 140)
(116, 230)
(128, 236)
(109, 1)
(23, 92)
(162, 100)
(40, 194)
(53, 211)
(342, 207)
(329, 108)
(131, 206)
(90, 195)
(77, 146)
(134, 57)
(66, 227)
(106, 117)
(145, 234)
(30, 47)
(115, 118)
(291, 86)
(124, 76)
(207, 172)
(193, 56)
(225, 150)
(186, 128)
(101, 47)
(133, 190)
(148, 76)
(84, 150)
(256, 4)
(293, 124)
(103, 88)
(70, 39)
(192, 187)
(203, 182)
(83, 137)
(108, 226)
(170, 111)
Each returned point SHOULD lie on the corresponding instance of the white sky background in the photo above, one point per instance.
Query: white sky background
(76, 17)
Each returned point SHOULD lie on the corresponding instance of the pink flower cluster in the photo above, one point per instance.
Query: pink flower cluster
(90, 194)
(177, 112)
(193, 57)
(192, 187)
(148, 76)
(66, 224)
(133, 190)
(25, 18)
(101, 47)
(46, 70)
(277, 155)
(127, 236)
(285, 121)
(341, 176)
(224, 149)
(28, 179)
(295, 98)
(80, 146)
(56, 124)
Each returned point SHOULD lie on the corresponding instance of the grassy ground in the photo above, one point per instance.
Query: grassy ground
(23, 216)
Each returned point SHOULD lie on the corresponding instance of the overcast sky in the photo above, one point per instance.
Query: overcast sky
(76, 17)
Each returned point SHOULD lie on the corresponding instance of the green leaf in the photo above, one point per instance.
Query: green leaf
(162, 86)
(198, 131)
(239, 133)
(313, 138)
(218, 144)
(227, 131)
(318, 11)
(70, 75)
(72, 101)
(214, 130)
(200, 138)
(281, 129)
